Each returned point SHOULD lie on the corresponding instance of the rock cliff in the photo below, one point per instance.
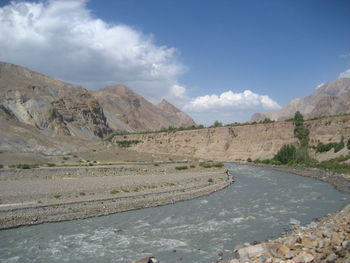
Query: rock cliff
(128, 111)
(258, 141)
(52, 106)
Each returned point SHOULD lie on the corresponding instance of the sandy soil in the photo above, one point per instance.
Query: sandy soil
(34, 196)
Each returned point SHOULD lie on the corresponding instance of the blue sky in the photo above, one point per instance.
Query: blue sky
(205, 54)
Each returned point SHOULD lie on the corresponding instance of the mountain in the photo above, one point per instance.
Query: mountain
(129, 111)
(174, 115)
(52, 106)
(330, 99)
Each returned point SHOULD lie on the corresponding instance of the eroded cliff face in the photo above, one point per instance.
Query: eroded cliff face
(257, 141)
(52, 106)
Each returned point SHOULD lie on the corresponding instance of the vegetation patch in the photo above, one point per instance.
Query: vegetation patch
(127, 143)
(1, 166)
(182, 167)
(337, 146)
(210, 180)
(57, 196)
(24, 166)
(82, 193)
(211, 164)
(113, 192)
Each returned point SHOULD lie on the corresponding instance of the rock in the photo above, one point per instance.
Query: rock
(282, 251)
(303, 258)
(250, 252)
(331, 258)
(308, 243)
(146, 260)
(346, 245)
(335, 239)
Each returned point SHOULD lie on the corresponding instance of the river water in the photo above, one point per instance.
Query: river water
(259, 205)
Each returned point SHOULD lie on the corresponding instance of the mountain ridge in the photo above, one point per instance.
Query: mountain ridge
(332, 98)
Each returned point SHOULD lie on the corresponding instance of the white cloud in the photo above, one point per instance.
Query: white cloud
(345, 74)
(64, 40)
(229, 100)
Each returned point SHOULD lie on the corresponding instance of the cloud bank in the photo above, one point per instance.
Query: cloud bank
(64, 40)
(246, 100)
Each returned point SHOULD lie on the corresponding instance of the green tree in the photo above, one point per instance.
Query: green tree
(300, 131)
(286, 154)
(217, 124)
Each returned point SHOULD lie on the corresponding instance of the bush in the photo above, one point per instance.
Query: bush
(192, 166)
(210, 180)
(287, 154)
(127, 143)
(211, 164)
(218, 165)
(337, 146)
(182, 167)
(1, 166)
(65, 158)
(249, 160)
(51, 164)
(113, 192)
(348, 144)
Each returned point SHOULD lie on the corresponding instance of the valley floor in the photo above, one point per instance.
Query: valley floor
(52, 194)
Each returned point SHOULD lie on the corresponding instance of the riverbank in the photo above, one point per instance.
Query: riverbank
(326, 240)
(42, 195)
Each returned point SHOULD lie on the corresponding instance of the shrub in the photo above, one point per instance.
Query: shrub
(125, 190)
(127, 143)
(210, 180)
(348, 144)
(113, 192)
(182, 167)
(218, 165)
(337, 146)
(1, 166)
(65, 158)
(51, 164)
(57, 196)
(211, 164)
(249, 160)
(286, 154)
(82, 193)
(192, 166)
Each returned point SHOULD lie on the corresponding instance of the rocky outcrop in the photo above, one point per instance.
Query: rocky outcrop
(330, 99)
(52, 106)
(257, 141)
(128, 111)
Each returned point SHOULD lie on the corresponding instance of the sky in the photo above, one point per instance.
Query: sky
(216, 60)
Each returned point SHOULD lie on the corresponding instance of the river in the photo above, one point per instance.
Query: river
(259, 205)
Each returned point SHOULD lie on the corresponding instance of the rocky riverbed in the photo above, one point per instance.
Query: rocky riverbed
(325, 240)
(42, 195)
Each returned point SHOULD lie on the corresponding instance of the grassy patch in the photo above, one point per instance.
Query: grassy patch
(182, 167)
(113, 192)
(57, 196)
(82, 193)
(210, 180)
(125, 190)
(211, 164)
